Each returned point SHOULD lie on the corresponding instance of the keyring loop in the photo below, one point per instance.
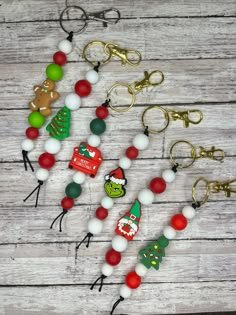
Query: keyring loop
(94, 43)
(166, 117)
(66, 10)
(133, 97)
(193, 154)
(207, 193)
(161, 79)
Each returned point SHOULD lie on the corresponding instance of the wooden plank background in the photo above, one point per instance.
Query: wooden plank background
(194, 44)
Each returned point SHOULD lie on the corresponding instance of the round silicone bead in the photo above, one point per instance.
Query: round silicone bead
(73, 101)
(141, 141)
(178, 222)
(32, 133)
(65, 46)
(95, 226)
(46, 160)
(133, 280)
(97, 126)
(141, 270)
(102, 112)
(73, 190)
(67, 203)
(125, 162)
(27, 145)
(42, 174)
(125, 291)
(54, 72)
(92, 76)
(83, 88)
(168, 176)
(36, 119)
(101, 213)
(169, 232)
(107, 270)
(131, 153)
(146, 197)
(113, 257)
(59, 58)
(189, 212)
(52, 146)
(94, 140)
(79, 177)
(119, 243)
(107, 202)
(157, 185)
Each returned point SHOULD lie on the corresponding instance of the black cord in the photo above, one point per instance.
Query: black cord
(102, 277)
(146, 131)
(175, 168)
(96, 68)
(27, 160)
(70, 37)
(116, 304)
(38, 190)
(60, 215)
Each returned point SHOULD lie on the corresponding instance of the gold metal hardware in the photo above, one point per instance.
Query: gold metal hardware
(184, 115)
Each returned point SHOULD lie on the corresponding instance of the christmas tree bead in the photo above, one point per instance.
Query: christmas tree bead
(107, 270)
(113, 257)
(94, 141)
(59, 127)
(52, 146)
(36, 119)
(125, 291)
(101, 213)
(67, 203)
(119, 243)
(32, 133)
(146, 197)
(133, 280)
(54, 72)
(189, 212)
(124, 162)
(42, 174)
(92, 76)
(169, 232)
(83, 88)
(178, 222)
(59, 58)
(73, 101)
(79, 177)
(65, 46)
(157, 185)
(168, 176)
(102, 112)
(107, 202)
(46, 160)
(95, 226)
(141, 141)
(141, 270)
(97, 126)
(27, 145)
(131, 153)
(73, 190)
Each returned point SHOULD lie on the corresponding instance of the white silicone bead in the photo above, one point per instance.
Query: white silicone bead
(124, 162)
(42, 174)
(141, 141)
(119, 243)
(94, 140)
(27, 145)
(79, 178)
(168, 176)
(188, 212)
(107, 202)
(52, 146)
(169, 232)
(141, 270)
(95, 226)
(107, 270)
(73, 101)
(146, 196)
(92, 76)
(125, 291)
(65, 46)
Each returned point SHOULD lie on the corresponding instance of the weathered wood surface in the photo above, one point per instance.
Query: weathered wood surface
(194, 44)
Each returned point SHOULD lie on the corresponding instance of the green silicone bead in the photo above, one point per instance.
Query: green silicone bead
(36, 119)
(54, 72)
(73, 190)
(163, 241)
(97, 126)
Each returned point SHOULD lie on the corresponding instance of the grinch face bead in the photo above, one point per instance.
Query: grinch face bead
(97, 126)
(115, 182)
(36, 119)
(141, 141)
(54, 72)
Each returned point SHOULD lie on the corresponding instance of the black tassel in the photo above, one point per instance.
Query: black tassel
(116, 304)
(27, 160)
(102, 277)
(37, 188)
(60, 215)
(87, 236)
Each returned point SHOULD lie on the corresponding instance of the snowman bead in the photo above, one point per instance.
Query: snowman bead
(65, 46)
(52, 146)
(79, 178)
(168, 176)
(92, 76)
(27, 145)
(141, 270)
(42, 174)
(124, 162)
(189, 212)
(95, 226)
(119, 243)
(125, 291)
(73, 101)
(146, 196)
(169, 232)
(107, 202)
(94, 140)
(141, 141)
(107, 270)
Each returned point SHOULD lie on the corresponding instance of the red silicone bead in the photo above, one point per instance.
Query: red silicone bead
(157, 185)
(83, 88)
(67, 203)
(59, 58)
(46, 160)
(133, 280)
(101, 213)
(113, 257)
(131, 153)
(102, 112)
(32, 133)
(178, 222)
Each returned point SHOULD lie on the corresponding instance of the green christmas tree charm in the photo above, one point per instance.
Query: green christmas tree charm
(152, 254)
(59, 127)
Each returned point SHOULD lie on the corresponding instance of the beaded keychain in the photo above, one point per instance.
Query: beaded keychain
(115, 180)
(152, 254)
(128, 225)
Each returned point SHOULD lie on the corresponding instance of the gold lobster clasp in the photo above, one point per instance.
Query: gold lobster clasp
(123, 53)
(185, 116)
(213, 153)
(137, 86)
(217, 186)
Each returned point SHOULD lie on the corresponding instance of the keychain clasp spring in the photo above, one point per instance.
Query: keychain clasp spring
(213, 153)
(184, 115)
(217, 186)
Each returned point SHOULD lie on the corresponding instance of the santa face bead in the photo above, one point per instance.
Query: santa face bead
(124, 162)
(59, 58)
(107, 202)
(131, 153)
(79, 178)
(188, 212)
(141, 270)
(113, 257)
(94, 141)
(178, 222)
(65, 46)
(52, 146)
(141, 141)
(119, 243)
(125, 291)
(67, 203)
(107, 270)
(133, 280)
(42, 174)
(101, 213)
(83, 88)
(73, 190)
(146, 197)
(95, 226)
(92, 76)
(27, 145)
(102, 112)
(73, 101)
(169, 232)
(32, 133)
(157, 185)
(168, 176)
